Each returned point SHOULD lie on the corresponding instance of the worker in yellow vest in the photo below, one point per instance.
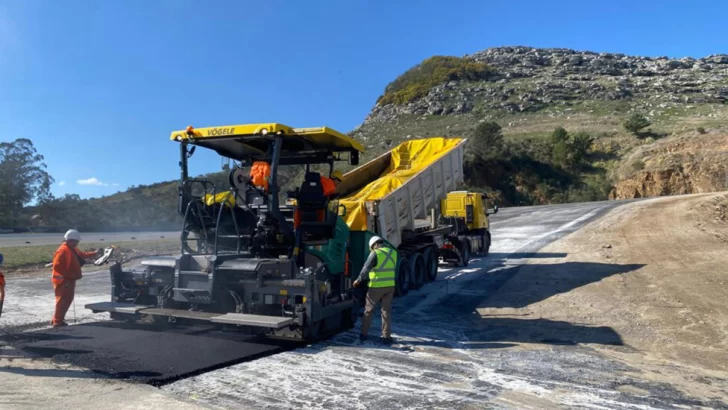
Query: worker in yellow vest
(379, 271)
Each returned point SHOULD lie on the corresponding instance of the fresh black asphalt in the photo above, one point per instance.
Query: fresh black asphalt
(143, 353)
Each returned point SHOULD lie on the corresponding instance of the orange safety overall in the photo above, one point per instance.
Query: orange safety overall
(328, 185)
(259, 174)
(66, 271)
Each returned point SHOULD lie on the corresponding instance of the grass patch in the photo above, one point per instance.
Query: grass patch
(17, 257)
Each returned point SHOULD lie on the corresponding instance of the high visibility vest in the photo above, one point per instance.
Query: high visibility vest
(382, 276)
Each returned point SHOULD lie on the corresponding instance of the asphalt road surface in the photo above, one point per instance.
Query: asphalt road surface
(23, 239)
(446, 357)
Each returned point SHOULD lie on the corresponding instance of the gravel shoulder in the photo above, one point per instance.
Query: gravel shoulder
(655, 272)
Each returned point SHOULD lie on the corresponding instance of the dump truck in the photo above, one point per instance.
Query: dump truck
(251, 261)
(408, 197)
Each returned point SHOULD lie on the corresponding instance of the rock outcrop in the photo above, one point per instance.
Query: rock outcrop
(690, 165)
(529, 79)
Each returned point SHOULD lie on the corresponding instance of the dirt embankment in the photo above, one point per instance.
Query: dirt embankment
(691, 164)
(653, 272)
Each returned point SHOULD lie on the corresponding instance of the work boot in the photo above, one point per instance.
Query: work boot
(362, 338)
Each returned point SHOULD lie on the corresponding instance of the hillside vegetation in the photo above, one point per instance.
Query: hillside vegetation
(544, 126)
(417, 81)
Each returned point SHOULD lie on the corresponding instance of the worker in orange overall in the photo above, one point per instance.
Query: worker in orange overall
(330, 184)
(67, 264)
(2, 286)
(259, 174)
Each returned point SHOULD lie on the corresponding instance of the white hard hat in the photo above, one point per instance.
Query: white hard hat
(72, 235)
(374, 240)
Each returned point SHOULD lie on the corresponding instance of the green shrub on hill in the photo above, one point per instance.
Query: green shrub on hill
(636, 123)
(417, 81)
(535, 171)
(487, 141)
(569, 151)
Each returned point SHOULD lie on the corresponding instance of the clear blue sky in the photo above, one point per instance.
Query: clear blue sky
(99, 85)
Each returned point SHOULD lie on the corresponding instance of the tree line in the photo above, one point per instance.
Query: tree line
(23, 179)
(26, 201)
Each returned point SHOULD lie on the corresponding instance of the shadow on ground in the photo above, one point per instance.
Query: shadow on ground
(542, 281)
(542, 331)
(66, 374)
(453, 321)
(523, 255)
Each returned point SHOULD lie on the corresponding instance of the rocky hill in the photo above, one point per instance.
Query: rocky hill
(531, 91)
(530, 79)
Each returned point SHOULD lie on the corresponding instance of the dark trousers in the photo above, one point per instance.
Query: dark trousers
(382, 296)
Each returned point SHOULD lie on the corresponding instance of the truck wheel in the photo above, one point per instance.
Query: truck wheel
(404, 278)
(464, 254)
(430, 258)
(486, 244)
(417, 267)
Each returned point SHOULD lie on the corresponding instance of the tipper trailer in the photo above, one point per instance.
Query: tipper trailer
(286, 270)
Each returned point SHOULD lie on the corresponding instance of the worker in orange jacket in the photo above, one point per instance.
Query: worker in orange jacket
(259, 174)
(330, 184)
(67, 264)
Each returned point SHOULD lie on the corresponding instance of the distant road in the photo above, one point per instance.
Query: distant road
(21, 239)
